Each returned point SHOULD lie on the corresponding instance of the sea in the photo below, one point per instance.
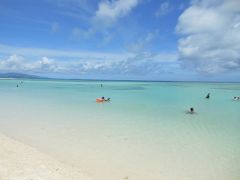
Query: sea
(145, 132)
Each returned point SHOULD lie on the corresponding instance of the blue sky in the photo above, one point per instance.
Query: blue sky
(122, 39)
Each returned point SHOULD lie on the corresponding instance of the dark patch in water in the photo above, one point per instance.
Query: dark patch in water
(233, 88)
(128, 88)
(175, 85)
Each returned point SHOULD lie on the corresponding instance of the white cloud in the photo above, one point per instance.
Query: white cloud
(13, 62)
(199, 20)
(164, 9)
(139, 64)
(46, 65)
(211, 36)
(109, 11)
(102, 20)
(16, 63)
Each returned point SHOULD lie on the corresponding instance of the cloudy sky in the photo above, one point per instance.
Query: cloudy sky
(122, 39)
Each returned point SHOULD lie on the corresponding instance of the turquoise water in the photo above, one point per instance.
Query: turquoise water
(143, 133)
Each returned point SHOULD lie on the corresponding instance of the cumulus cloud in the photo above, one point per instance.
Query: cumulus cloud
(210, 32)
(103, 19)
(109, 11)
(16, 63)
(12, 63)
(139, 64)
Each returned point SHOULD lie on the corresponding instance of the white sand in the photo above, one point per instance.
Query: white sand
(22, 162)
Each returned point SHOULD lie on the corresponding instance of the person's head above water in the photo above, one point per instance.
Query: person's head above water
(103, 97)
(191, 109)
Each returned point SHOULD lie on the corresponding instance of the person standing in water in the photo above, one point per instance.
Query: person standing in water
(191, 110)
(208, 96)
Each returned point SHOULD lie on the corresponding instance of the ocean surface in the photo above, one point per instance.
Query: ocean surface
(143, 133)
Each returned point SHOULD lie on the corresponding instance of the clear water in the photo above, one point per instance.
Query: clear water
(143, 133)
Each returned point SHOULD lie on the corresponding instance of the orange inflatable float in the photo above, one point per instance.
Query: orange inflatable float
(103, 99)
(100, 100)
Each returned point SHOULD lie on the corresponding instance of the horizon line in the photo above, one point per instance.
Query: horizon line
(37, 77)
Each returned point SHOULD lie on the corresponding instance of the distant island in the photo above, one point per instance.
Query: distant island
(20, 75)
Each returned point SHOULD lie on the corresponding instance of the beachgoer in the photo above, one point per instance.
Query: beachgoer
(236, 98)
(102, 99)
(192, 110)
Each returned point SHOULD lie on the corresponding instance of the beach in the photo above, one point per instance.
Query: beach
(21, 162)
(54, 129)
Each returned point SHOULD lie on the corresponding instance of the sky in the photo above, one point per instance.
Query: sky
(173, 40)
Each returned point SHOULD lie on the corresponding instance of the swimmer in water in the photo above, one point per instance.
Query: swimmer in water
(208, 96)
(106, 100)
(190, 111)
(236, 98)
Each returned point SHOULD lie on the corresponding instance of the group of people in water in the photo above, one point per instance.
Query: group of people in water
(236, 98)
(19, 84)
(192, 111)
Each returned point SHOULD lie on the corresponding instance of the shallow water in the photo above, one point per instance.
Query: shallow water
(143, 133)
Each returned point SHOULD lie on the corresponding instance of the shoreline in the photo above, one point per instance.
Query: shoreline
(21, 161)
